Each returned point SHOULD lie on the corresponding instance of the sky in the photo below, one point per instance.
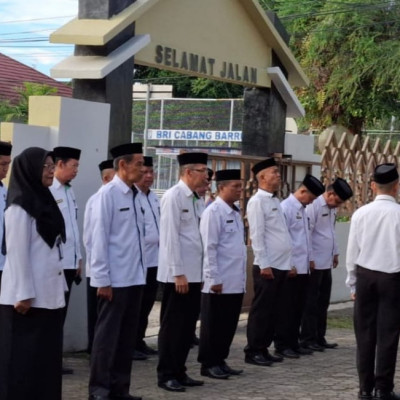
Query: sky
(25, 26)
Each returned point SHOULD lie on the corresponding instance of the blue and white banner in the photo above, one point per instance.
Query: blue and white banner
(208, 136)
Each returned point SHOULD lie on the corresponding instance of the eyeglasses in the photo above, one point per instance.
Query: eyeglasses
(202, 171)
(49, 167)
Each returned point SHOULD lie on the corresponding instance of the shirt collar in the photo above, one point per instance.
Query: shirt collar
(264, 193)
(56, 183)
(121, 184)
(385, 197)
(225, 206)
(296, 203)
(186, 189)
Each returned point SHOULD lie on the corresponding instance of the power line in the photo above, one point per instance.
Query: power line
(35, 19)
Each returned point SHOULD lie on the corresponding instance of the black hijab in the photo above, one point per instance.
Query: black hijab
(26, 190)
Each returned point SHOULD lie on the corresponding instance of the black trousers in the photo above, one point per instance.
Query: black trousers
(179, 313)
(313, 328)
(377, 327)
(30, 354)
(294, 299)
(91, 301)
(219, 318)
(148, 299)
(265, 316)
(114, 342)
(69, 278)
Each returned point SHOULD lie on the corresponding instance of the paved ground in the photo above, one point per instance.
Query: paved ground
(329, 375)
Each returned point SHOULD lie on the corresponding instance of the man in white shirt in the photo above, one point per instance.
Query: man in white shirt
(325, 257)
(107, 173)
(5, 161)
(272, 249)
(180, 271)
(296, 284)
(150, 208)
(224, 274)
(117, 271)
(373, 266)
(67, 165)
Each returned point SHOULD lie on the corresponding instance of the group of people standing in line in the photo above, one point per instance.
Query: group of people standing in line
(198, 255)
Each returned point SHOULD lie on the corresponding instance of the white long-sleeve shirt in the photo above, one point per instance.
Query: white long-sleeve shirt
(180, 242)
(150, 209)
(117, 242)
(299, 230)
(32, 270)
(65, 198)
(88, 231)
(225, 254)
(374, 238)
(323, 236)
(269, 234)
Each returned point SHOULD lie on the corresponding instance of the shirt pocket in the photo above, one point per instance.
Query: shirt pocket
(185, 216)
(230, 226)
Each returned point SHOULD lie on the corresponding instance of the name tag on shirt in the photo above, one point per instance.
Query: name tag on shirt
(230, 221)
(185, 211)
(274, 209)
(124, 209)
(325, 215)
(59, 201)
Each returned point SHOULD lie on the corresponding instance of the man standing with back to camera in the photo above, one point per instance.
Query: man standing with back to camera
(373, 267)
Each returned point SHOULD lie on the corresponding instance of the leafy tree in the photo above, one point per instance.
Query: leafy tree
(19, 111)
(350, 52)
(188, 86)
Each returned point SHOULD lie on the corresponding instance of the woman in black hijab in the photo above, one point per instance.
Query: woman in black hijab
(33, 284)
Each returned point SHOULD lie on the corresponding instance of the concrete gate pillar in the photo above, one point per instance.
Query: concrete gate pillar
(116, 87)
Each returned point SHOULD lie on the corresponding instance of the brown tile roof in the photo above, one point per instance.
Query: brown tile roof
(13, 74)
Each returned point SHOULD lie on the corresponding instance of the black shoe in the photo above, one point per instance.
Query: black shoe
(327, 345)
(314, 347)
(384, 395)
(188, 381)
(214, 372)
(98, 397)
(257, 359)
(66, 371)
(268, 356)
(364, 395)
(287, 353)
(228, 370)
(124, 397)
(172, 386)
(138, 355)
(148, 351)
(303, 351)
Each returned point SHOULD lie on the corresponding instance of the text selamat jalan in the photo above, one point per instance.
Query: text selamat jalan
(204, 65)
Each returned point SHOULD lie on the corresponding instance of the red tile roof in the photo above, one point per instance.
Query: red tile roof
(13, 74)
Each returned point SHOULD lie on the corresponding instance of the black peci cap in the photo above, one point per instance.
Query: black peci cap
(192, 158)
(386, 173)
(126, 149)
(67, 152)
(269, 162)
(148, 161)
(227, 175)
(107, 164)
(5, 148)
(342, 189)
(314, 185)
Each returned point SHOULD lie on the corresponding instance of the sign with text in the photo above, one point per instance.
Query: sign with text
(208, 136)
